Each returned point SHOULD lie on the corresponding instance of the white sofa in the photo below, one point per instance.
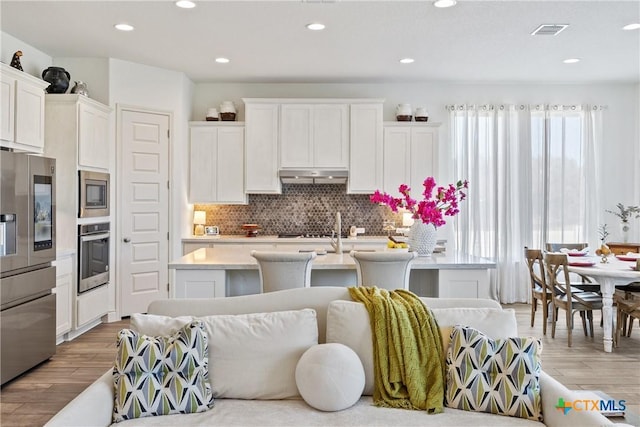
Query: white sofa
(94, 406)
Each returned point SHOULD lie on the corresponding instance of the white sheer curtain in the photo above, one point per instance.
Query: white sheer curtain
(512, 156)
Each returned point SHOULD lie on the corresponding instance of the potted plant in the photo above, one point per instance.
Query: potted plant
(437, 203)
(625, 213)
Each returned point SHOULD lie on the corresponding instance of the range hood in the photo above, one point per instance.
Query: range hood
(313, 176)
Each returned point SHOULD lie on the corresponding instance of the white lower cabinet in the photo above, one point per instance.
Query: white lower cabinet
(64, 295)
(217, 163)
(92, 305)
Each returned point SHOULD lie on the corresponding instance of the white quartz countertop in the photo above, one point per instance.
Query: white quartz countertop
(220, 258)
(234, 238)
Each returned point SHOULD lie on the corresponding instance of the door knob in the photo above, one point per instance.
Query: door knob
(126, 240)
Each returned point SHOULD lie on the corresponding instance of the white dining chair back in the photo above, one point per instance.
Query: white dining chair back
(388, 270)
(555, 247)
(284, 270)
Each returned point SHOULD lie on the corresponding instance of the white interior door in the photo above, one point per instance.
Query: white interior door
(143, 209)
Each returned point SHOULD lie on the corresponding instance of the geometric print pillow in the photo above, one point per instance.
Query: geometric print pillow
(162, 375)
(495, 376)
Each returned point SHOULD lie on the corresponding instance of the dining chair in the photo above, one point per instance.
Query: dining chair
(539, 290)
(284, 270)
(388, 270)
(585, 283)
(628, 309)
(555, 247)
(565, 298)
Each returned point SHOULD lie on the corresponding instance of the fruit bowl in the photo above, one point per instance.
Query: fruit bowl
(251, 230)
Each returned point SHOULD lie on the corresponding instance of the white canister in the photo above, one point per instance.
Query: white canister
(212, 114)
(421, 114)
(404, 112)
(227, 107)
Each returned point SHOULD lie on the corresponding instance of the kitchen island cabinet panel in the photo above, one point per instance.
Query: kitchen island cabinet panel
(441, 275)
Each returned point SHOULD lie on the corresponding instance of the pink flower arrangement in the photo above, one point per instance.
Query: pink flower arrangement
(433, 208)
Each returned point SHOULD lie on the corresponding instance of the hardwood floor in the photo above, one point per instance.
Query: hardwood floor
(33, 398)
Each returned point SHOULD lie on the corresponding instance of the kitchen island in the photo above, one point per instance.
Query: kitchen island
(229, 271)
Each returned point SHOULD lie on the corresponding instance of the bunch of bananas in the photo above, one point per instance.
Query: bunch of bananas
(392, 245)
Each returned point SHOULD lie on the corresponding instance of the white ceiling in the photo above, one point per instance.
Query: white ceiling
(266, 41)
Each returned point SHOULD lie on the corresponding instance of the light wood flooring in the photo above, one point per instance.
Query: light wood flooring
(33, 398)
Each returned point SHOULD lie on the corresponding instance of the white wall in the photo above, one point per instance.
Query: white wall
(158, 89)
(621, 122)
(33, 61)
(92, 71)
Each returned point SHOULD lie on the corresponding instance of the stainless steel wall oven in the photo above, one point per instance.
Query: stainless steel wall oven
(94, 194)
(93, 256)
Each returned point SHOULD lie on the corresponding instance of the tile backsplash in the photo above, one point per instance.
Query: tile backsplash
(302, 208)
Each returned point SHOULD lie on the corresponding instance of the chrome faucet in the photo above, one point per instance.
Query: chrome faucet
(337, 229)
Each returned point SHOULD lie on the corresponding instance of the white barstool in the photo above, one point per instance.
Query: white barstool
(388, 270)
(284, 270)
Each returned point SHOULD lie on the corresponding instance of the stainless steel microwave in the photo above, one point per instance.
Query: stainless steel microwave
(94, 194)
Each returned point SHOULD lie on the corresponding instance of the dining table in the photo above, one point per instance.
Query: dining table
(614, 272)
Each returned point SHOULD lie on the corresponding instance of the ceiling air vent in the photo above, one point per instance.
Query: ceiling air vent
(549, 29)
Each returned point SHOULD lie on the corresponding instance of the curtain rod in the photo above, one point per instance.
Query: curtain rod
(533, 107)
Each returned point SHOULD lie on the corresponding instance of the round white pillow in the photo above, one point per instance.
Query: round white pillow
(330, 377)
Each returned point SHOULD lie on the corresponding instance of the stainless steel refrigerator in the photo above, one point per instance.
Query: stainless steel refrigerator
(27, 249)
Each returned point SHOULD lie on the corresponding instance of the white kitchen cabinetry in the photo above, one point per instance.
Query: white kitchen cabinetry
(93, 133)
(261, 146)
(217, 163)
(464, 284)
(365, 148)
(64, 290)
(78, 137)
(410, 155)
(188, 247)
(314, 136)
(21, 110)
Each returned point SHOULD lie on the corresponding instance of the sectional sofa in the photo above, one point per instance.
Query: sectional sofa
(257, 344)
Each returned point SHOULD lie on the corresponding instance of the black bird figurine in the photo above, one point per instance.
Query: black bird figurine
(15, 61)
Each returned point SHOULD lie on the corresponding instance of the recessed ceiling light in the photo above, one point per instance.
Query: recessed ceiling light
(444, 3)
(222, 60)
(315, 26)
(185, 4)
(406, 60)
(631, 27)
(124, 27)
(571, 61)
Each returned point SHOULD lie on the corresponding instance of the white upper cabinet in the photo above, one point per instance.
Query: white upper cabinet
(217, 163)
(410, 155)
(365, 157)
(314, 136)
(93, 128)
(261, 146)
(21, 110)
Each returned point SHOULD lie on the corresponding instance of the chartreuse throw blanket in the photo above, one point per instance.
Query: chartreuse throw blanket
(409, 370)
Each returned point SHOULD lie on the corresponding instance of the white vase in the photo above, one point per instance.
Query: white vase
(422, 238)
(625, 229)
